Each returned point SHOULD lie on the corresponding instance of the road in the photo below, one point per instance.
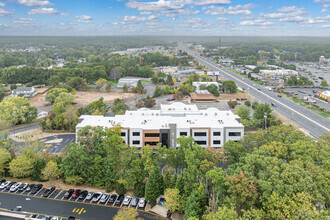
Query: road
(55, 205)
(315, 124)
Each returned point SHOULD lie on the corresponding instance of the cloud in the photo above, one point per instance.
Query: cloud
(298, 12)
(22, 20)
(2, 4)
(4, 12)
(326, 26)
(45, 11)
(64, 14)
(33, 3)
(193, 23)
(289, 9)
(222, 19)
(136, 19)
(256, 23)
(321, 1)
(212, 2)
(325, 5)
(85, 19)
(324, 10)
(232, 10)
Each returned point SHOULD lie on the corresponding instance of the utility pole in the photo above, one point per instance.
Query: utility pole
(265, 116)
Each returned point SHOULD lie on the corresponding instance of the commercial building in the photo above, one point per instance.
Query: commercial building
(210, 127)
(324, 95)
(26, 92)
(278, 73)
(202, 96)
(130, 82)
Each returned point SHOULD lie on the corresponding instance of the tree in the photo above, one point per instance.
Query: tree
(126, 214)
(51, 171)
(243, 112)
(53, 94)
(139, 88)
(2, 93)
(63, 100)
(234, 151)
(149, 102)
(100, 83)
(169, 80)
(260, 111)
(125, 88)
(324, 83)
(213, 89)
(242, 191)
(17, 110)
(77, 83)
(192, 207)
(229, 86)
(154, 186)
(167, 180)
(157, 92)
(119, 107)
(4, 160)
(173, 200)
(223, 213)
(21, 167)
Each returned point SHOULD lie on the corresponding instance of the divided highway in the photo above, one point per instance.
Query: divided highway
(315, 124)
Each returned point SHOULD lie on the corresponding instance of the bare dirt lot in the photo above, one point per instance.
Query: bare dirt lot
(86, 97)
(228, 96)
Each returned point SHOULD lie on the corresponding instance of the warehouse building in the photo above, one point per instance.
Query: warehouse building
(210, 127)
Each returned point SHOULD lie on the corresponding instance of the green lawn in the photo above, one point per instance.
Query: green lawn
(144, 80)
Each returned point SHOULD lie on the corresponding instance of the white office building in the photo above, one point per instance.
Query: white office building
(210, 127)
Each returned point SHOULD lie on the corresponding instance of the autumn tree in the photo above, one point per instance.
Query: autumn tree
(126, 214)
(174, 200)
(51, 171)
(21, 167)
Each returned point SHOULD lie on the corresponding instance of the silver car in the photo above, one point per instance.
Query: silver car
(14, 187)
(105, 197)
(90, 195)
(142, 203)
(3, 185)
(135, 201)
(97, 197)
(127, 200)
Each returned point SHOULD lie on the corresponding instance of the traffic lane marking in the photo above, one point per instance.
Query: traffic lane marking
(94, 204)
(268, 96)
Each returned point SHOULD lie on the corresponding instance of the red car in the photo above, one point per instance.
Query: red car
(76, 193)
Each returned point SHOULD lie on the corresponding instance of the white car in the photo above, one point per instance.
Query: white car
(105, 197)
(142, 203)
(14, 187)
(3, 185)
(127, 200)
(97, 197)
(90, 195)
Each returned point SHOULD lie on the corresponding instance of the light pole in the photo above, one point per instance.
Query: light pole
(265, 116)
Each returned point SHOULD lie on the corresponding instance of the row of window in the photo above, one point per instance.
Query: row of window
(196, 134)
(137, 142)
(204, 142)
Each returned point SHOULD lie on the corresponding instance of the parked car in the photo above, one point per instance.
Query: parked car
(15, 187)
(36, 188)
(10, 185)
(127, 200)
(113, 198)
(314, 102)
(90, 195)
(69, 193)
(142, 203)
(30, 187)
(105, 197)
(46, 218)
(55, 218)
(97, 197)
(71, 218)
(76, 193)
(23, 186)
(120, 200)
(135, 201)
(83, 194)
(4, 185)
(49, 191)
(2, 181)
(171, 99)
(279, 96)
(273, 104)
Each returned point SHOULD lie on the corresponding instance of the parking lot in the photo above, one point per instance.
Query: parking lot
(80, 208)
(55, 144)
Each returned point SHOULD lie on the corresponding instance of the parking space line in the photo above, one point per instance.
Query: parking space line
(58, 194)
(85, 199)
(51, 193)
(39, 191)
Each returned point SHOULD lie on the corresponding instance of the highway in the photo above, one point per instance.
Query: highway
(315, 124)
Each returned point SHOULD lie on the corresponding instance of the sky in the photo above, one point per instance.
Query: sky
(165, 17)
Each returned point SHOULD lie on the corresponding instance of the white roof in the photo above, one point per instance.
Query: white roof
(184, 116)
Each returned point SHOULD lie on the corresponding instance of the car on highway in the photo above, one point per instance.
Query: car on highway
(10, 185)
(105, 197)
(142, 203)
(259, 89)
(272, 104)
(112, 198)
(134, 201)
(119, 200)
(49, 191)
(15, 186)
(83, 194)
(30, 187)
(69, 193)
(4, 185)
(90, 195)
(97, 197)
(23, 187)
(76, 193)
(36, 188)
(127, 200)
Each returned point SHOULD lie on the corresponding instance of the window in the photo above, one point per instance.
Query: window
(136, 142)
(216, 133)
(136, 133)
(200, 142)
(183, 133)
(200, 134)
(216, 142)
(151, 134)
(235, 134)
(122, 134)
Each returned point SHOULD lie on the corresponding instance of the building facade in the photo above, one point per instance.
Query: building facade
(26, 92)
(210, 127)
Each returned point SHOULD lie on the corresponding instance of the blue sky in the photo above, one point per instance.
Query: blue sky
(165, 17)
